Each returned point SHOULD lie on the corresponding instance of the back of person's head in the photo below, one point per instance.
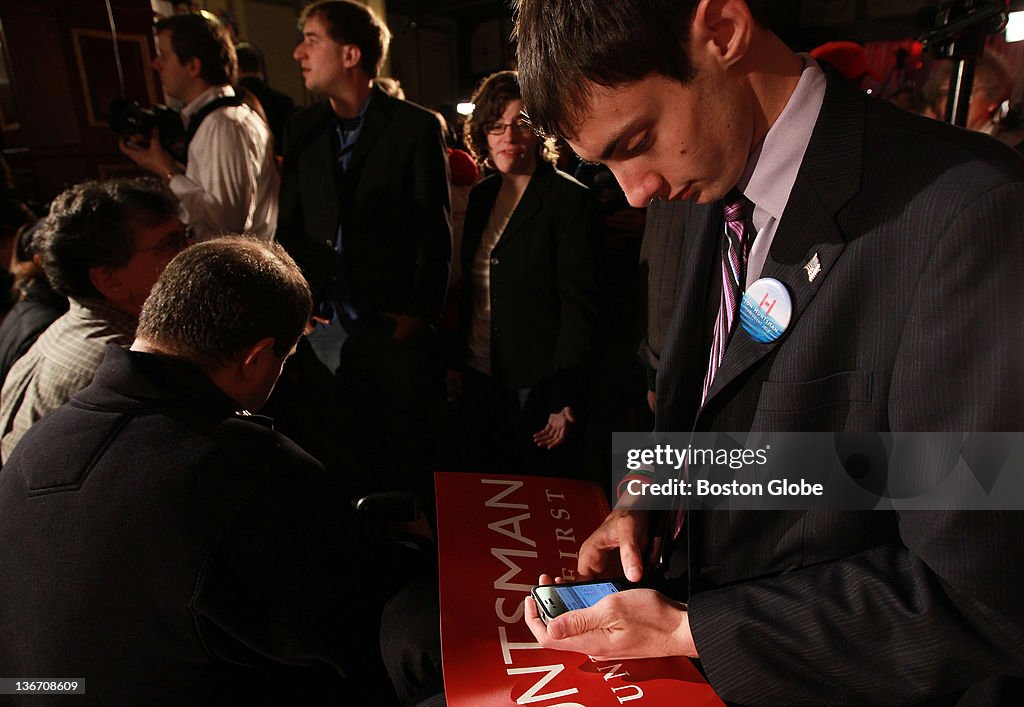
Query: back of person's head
(564, 45)
(993, 84)
(993, 81)
(228, 21)
(14, 214)
(250, 59)
(201, 36)
(23, 266)
(350, 22)
(218, 298)
(91, 225)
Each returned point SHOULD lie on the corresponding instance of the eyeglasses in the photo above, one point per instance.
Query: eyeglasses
(173, 243)
(521, 126)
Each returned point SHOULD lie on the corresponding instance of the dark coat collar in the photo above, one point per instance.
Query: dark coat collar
(378, 114)
(132, 381)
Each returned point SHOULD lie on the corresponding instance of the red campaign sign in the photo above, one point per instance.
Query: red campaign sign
(495, 535)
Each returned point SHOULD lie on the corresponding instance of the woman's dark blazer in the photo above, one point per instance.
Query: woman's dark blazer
(543, 283)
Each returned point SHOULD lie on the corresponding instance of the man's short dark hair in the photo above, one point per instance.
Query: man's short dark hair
(563, 45)
(204, 38)
(250, 59)
(217, 298)
(92, 225)
(352, 23)
(566, 44)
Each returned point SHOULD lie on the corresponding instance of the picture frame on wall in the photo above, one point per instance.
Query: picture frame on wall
(98, 72)
(8, 107)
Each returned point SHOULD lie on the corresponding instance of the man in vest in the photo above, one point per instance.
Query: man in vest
(230, 181)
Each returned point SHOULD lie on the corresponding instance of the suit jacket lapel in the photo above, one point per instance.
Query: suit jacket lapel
(318, 159)
(529, 204)
(480, 204)
(829, 177)
(378, 113)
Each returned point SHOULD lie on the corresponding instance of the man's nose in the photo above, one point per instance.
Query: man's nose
(641, 187)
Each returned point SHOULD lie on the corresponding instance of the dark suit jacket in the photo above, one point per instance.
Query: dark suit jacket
(171, 552)
(661, 263)
(913, 324)
(543, 282)
(27, 320)
(393, 204)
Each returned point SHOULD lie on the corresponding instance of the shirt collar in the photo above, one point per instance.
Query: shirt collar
(362, 114)
(773, 167)
(207, 96)
(96, 309)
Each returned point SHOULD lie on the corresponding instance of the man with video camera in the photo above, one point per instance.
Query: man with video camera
(230, 181)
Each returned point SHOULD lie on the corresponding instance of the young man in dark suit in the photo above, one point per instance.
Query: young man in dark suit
(365, 212)
(900, 244)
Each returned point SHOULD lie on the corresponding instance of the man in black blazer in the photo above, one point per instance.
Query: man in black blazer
(901, 246)
(365, 213)
(170, 548)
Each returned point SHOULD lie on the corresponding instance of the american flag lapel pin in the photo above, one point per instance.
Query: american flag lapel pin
(813, 268)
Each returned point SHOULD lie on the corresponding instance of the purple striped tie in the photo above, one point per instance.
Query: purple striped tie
(735, 249)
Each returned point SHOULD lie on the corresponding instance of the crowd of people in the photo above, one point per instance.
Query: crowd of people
(394, 306)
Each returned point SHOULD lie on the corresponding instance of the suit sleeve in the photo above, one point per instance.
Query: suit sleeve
(432, 224)
(660, 265)
(939, 610)
(291, 231)
(578, 234)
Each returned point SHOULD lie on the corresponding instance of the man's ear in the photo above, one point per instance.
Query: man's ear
(109, 282)
(194, 67)
(724, 28)
(257, 357)
(351, 56)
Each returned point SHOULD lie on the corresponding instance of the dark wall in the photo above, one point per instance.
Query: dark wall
(62, 76)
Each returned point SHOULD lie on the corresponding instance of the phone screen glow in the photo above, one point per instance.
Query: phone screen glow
(580, 596)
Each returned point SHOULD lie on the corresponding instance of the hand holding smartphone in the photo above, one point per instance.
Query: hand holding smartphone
(556, 599)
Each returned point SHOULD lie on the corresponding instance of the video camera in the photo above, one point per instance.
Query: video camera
(133, 122)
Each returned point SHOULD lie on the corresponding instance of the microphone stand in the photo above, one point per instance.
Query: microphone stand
(960, 32)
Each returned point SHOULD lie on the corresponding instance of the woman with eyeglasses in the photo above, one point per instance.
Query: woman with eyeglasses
(529, 266)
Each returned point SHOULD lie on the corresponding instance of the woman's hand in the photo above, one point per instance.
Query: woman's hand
(557, 429)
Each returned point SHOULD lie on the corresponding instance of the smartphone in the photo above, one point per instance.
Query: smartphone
(556, 599)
